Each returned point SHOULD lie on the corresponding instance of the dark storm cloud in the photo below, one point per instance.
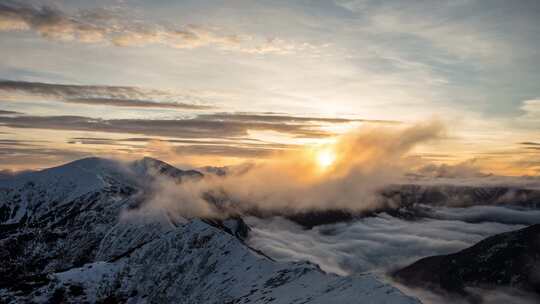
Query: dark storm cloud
(118, 96)
(182, 128)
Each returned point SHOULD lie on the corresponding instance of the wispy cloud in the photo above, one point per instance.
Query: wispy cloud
(466, 169)
(89, 140)
(280, 118)
(530, 145)
(17, 142)
(187, 147)
(118, 96)
(5, 112)
(436, 24)
(531, 108)
(226, 135)
(106, 25)
(51, 23)
(196, 127)
(39, 156)
(135, 103)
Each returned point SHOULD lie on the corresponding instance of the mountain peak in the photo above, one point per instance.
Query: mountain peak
(151, 166)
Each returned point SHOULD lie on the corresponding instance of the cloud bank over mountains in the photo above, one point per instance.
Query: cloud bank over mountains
(380, 243)
(366, 161)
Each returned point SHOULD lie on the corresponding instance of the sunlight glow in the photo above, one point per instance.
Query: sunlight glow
(325, 158)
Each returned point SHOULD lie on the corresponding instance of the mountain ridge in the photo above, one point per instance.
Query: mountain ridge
(510, 260)
(78, 240)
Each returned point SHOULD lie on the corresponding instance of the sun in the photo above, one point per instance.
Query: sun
(325, 158)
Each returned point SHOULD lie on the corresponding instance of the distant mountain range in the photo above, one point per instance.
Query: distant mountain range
(417, 201)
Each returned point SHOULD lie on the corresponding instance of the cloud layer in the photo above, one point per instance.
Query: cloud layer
(174, 139)
(108, 25)
(117, 96)
(196, 127)
(366, 161)
(380, 243)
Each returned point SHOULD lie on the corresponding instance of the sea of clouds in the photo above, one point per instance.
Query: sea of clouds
(383, 243)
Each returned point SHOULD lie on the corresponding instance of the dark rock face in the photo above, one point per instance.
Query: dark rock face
(509, 259)
(234, 226)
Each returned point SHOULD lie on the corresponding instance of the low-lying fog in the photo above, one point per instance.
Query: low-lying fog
(383, 243)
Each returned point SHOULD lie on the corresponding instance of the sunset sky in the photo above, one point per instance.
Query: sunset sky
(220, 82)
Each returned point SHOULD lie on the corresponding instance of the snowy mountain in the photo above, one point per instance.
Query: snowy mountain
(65, 238)
(510, 260)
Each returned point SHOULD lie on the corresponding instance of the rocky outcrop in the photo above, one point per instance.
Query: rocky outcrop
(509, 259)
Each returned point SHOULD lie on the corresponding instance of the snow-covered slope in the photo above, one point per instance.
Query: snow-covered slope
(33, 194)
(37, 193)
(198, 263)
(63, 239)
